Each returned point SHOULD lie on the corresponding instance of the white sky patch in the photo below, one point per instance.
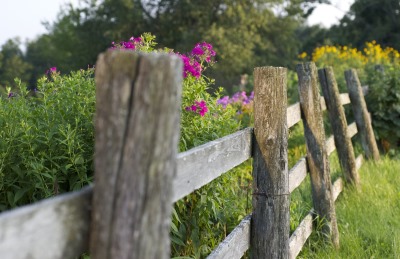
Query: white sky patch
(328, 15)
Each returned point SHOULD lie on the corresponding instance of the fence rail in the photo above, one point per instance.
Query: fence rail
(60, 227)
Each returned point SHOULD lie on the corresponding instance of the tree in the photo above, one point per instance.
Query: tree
(370, 20)
(245, 33)
(12, 63)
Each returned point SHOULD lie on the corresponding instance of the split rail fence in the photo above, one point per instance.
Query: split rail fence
(139, 173)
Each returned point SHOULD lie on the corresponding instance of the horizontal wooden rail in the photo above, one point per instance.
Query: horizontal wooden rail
(359, 161)
(344, 98)
(293, 114)
(330, 145)
(352, 129)
(236, 243)
(200, 165)
(53, 228)
(297, 174)
(300, 235)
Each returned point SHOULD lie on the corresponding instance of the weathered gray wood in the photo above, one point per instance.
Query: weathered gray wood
(344, 98)
(337, 188)
(56, 228)
(300, 235)
(270, 220)
(236, 243)
(330, 145)
(297, 174)
(137, 132)
(359, 161)
(361, 115)
(293, 114)
(201, 165)
(317, 155)
(352, 129)
(323, 104)
(339, 125)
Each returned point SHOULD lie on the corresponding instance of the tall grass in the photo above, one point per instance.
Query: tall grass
(368, 219)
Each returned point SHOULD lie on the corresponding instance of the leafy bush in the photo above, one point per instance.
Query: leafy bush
(46, 141)
(384, 104)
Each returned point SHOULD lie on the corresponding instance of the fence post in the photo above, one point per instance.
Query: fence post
(317, 155)
(137, 132)
(338, 121)
(361, 115)
(270, 220)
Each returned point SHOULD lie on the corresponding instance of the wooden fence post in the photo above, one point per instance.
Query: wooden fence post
(317, 155)
(361, 115)
(338, 121)
(137, 132)
(270, 220)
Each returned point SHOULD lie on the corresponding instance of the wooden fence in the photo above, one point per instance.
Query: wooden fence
(139, 174)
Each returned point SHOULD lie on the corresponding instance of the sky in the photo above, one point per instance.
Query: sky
(24, 18)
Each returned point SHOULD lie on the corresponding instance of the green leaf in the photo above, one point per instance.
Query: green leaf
(79, 160)
(178, 242)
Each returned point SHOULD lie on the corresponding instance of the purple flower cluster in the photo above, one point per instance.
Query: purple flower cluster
(131, 44)
(203, 51)
(239, 98)
(198, 107)
(192, 62)
(190, 66)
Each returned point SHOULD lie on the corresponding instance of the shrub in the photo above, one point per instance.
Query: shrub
(46, 141)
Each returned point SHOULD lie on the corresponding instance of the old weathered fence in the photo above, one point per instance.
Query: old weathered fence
(139, 173)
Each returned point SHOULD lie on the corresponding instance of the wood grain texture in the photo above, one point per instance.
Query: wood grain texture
(352, 130)
(270, 220)
(56, 228)
(323, 104)
(297, 174)
(359, 161)
(317, 155)
(137, 132)
(300, 235)
(339, 125)
(344, 98)
(330, 145)
(201, 165)
(337, 188)
(293, 114)
(361, 115)
(235, 244)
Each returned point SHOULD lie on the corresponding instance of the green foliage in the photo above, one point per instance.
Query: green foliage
(384, 104)
(12, 64)
(369, 20)
(46, 141)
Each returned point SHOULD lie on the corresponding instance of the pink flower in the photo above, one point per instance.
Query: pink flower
(190, 66)
(197, 51)
(51, 70)
(203, 51)
(198, 107)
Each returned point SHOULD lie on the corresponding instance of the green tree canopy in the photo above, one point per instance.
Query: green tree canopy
(12, 63)
(370, 20)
